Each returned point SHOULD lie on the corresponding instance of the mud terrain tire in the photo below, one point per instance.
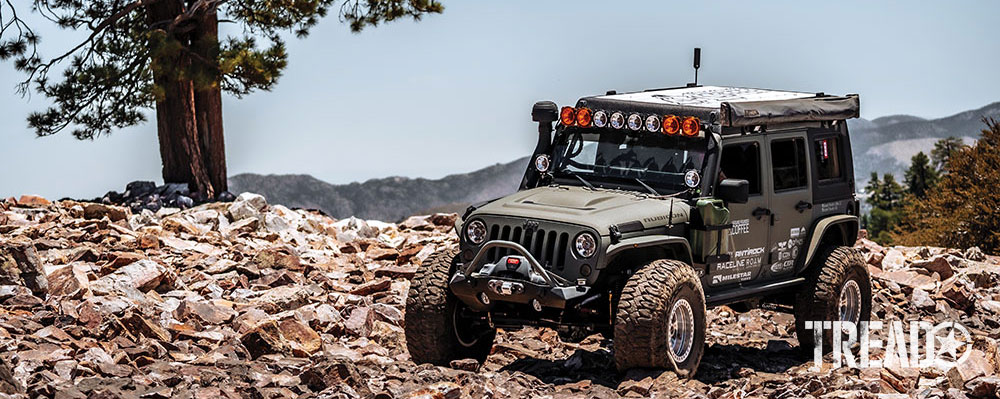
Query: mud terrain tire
(820, 298)
(430, 328)
(641, 337)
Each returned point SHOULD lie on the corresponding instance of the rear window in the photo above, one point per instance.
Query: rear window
(828, 164)
(788, 164)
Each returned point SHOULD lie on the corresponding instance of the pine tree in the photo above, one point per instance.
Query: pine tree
(943, 149)
(167, 55)
(885, 196)
(962, 210)
(921, 176)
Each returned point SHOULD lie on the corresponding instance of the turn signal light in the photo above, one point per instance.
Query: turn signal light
(671, 124)
(583, 117)
(690, 126)
(567, 116)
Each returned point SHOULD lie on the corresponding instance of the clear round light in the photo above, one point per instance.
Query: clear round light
(692, 178)
(634, 122)
(475, 232)
(617, 120)
(653, 123)
(586, 245)
(600, 119)
(542, 163)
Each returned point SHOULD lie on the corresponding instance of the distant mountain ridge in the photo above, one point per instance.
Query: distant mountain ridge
(388, 199)
(883, 144)
(886, 144)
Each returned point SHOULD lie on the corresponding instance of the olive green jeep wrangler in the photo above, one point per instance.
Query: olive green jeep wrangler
(640, 210)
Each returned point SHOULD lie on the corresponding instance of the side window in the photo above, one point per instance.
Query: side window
(742, 161)
(788, 163)
(828, 158)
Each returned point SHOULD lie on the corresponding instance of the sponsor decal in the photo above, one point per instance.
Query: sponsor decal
(741, 226)
(727, 278)
(831, 206)
(750, 258)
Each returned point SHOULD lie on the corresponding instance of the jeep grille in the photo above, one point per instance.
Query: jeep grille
(546, 243)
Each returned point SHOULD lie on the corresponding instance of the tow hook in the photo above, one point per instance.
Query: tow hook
(501, 287)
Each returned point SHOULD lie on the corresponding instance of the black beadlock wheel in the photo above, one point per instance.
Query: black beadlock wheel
(837, 289)
(660, 321)
(438, 327)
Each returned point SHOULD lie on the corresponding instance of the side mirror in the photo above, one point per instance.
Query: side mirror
(733, 191)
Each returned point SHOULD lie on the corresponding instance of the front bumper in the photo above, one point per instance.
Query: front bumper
(528, 283)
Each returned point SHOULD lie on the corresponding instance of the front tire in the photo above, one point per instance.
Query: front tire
(660, 321)
(439, 328)
(839, 289)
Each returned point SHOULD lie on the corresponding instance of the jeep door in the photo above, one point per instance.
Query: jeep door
(790, 200)
(741, 159)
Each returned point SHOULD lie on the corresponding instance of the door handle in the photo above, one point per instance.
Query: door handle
(802, 206)
(760, 212)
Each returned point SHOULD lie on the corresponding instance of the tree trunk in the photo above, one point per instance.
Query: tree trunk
(188, 119)
(208, 102)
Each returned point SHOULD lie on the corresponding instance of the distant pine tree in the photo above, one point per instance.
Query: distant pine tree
(885, 198)
(963, 209)
(943, 149)
(921, 176)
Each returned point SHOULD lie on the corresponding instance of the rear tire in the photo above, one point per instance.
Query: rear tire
(660, 292)
(438, 326)
(840, 275)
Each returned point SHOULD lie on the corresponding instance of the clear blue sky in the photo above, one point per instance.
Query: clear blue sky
(453, 92)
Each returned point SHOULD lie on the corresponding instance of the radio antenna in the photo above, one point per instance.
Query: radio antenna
(697, 63)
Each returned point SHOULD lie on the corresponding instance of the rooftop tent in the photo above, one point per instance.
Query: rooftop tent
(737, 106)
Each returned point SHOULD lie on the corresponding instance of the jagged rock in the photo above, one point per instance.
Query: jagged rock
(976, 365)
(937, 264)
(922, 300)
(33, 201)
(143, 275)
(247, 205)
(100, 211)
(278, 258)
(360, 322)
(983, 387)
(69, 281)
(287, 336)
(975, 254)
(20, 265)
(893, 260)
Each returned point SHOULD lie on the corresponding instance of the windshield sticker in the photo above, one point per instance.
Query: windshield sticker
(741, 226)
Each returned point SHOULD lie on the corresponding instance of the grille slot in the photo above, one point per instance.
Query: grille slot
(547, 246)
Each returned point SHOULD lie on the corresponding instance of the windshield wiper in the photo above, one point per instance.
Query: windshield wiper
(584, 181)
(651, 190)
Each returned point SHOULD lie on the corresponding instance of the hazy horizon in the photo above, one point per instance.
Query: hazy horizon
(452, 93)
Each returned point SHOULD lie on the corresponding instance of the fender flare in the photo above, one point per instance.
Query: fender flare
(650, 241)
(822, 227)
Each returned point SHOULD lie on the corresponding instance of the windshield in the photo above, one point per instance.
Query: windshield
(656, 159)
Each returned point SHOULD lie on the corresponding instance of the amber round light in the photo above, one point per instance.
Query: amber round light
(671, 124)
(567, 116)
(690, 126)
(583, 117)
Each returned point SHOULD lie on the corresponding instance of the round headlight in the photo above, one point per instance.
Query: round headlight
(617, 120)
(653, 123)
(634, 122)
(600, 119)
(542, 163)
(475, 232)
(692, 178)
(586, 245)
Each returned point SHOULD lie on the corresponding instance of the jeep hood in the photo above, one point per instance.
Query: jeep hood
(594, 208)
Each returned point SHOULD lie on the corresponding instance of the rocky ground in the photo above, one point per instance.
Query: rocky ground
(247, 299)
